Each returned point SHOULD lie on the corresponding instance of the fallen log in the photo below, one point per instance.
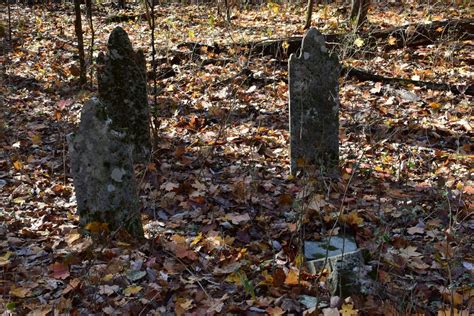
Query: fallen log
(125, 18)
(366, 76)
(411, 35)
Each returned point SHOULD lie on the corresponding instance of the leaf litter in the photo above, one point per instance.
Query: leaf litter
(222, 217)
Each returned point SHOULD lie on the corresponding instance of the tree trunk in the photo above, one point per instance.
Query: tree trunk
(91, 46)
(359, 9)
(309, 13)
(227, 10)
(9, 24)
(80, 40)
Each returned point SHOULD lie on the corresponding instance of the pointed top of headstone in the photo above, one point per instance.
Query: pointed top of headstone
(314, 106)
(119, 43)
(312, 46)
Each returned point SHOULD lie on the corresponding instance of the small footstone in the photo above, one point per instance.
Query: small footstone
(344, 261)
(122, 90)
(102, 170)
(314, 106)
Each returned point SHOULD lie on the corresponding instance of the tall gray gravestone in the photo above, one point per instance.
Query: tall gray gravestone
(121, 77)
(314, 106)
(113, 134)
(102, 170)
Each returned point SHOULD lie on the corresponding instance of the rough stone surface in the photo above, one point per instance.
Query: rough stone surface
(344, 261)
(314, 106)
(102, 170)
(337, 246)
(122, 90)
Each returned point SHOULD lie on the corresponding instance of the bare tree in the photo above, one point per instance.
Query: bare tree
(80, 40)
(91, 45)
(309, 10)
(9, 23)
(359, 9)
(309, 14)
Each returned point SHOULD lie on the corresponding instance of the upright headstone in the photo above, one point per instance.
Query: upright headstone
(314, 106)
(122, 91)
(102, 170)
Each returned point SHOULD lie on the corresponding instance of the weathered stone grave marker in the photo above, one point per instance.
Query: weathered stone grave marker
(112, 135)
(102, 170)
(122, 91)
(341, 256)
(314, 106)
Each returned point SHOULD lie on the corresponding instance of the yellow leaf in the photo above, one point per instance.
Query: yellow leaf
(19, 291)
(72, 237)
(191, 33)
(285, 45)
(97, 227)
(131, 290)
(196, 239)
(4, 260)
(267, 278)
(36, 139)
(348, 310)
(233, 278)
(108, 277)
(456, 312)
(435, 105)
(299, 259)
(18, 165)
(359, 42)
(184, 303)
(275, 7)
(292, 278)
(353, 218)
(392, 40)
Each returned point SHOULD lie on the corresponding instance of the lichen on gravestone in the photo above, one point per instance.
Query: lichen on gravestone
(103, 175)
(314, 106)
(121, 78)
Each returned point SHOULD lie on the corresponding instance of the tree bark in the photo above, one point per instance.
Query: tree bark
(359, 9)
(91, 45)
(411, 35)
(309, 14)
(80, 40)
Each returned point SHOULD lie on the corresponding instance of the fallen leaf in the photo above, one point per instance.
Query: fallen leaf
(21, 292)
(348, 310)
(18, 165)
(392, 40)
(238, 219)
(359, 42)
(275, 311)
(5, 259)
(409, 252)
(230, 268)
(59, 270)
(292, 277)
(416, 230)
(131, 290)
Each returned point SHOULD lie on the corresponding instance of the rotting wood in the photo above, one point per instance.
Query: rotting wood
(366, 76)
(411, 35)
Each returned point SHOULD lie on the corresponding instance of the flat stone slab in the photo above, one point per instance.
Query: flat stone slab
(320, 249)
(342, 258)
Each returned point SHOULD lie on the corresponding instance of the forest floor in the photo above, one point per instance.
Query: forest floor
(224, 221)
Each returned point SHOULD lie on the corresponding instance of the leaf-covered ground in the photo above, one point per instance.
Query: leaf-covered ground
(223, 219)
